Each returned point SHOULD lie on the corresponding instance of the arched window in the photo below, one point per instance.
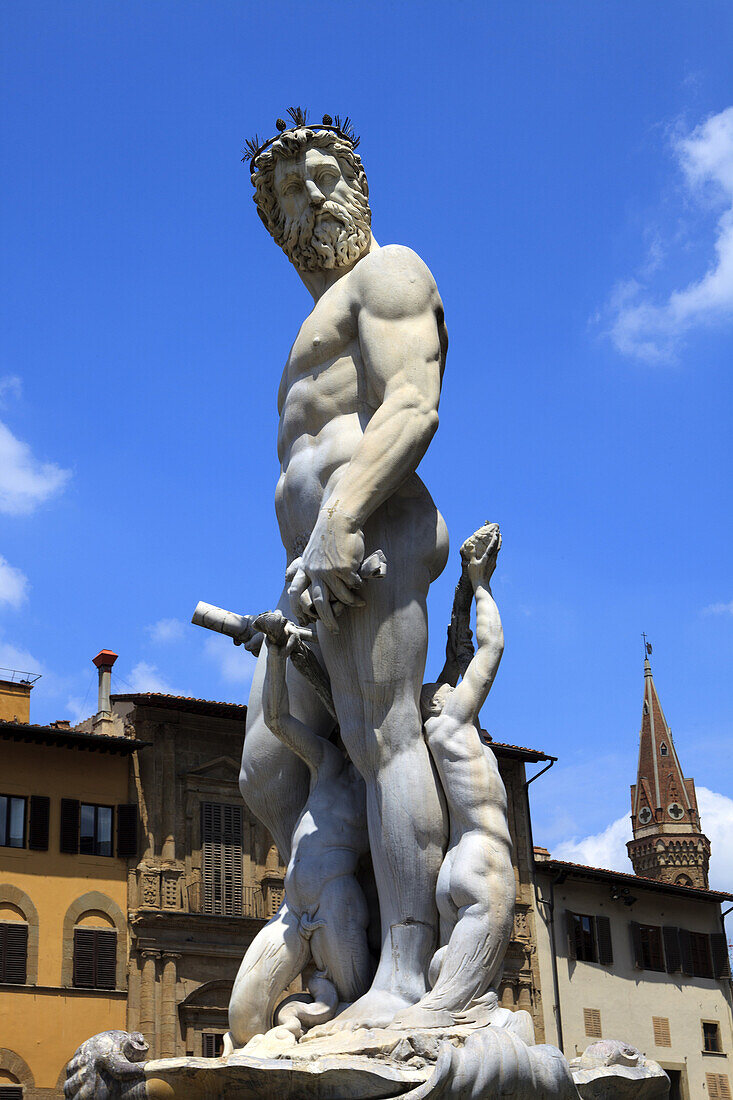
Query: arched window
(95, 944)
(663, 750)
(95, 952)
(18, 937)
(10, 1087)
(683, 880)
(16, 1079)
(13, 946)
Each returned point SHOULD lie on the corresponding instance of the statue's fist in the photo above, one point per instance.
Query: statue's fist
(480, 551)
(108, 1067)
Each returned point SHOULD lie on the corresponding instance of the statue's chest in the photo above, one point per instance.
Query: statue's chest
(326, 334)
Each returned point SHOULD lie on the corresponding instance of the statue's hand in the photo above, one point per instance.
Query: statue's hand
(327, 574)
(479, 553)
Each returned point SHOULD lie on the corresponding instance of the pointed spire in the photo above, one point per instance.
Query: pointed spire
(668, 842)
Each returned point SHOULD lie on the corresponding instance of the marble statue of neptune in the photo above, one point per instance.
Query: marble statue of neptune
(358, 407)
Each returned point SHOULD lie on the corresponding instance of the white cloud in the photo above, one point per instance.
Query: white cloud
(166, 630)
(608, 848)
(12, 656)
(10, 384)
(13, 584)
(718, 609)
(716, 818)
(652, 329)
(145, 677)
(24, 481)
(235, 664)
(604, 849)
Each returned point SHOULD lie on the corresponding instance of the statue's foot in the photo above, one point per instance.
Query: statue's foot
(377, 1008)
(422, 1015)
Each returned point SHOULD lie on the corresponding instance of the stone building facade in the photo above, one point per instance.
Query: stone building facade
(207, 876)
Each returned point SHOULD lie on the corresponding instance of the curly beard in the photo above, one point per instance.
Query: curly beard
(314, 242)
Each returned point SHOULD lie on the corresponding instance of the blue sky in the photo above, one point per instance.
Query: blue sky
(565, 169)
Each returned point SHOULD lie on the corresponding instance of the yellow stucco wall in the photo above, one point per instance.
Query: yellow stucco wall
(46, 1023)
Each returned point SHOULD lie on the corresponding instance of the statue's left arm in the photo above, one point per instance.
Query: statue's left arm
(402, 346)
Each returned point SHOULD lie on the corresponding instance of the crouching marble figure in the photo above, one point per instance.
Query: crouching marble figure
(383, 801)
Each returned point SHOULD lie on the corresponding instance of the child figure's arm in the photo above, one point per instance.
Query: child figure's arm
(479, 554)
(276, 707)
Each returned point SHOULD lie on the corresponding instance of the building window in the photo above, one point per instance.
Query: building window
(11, 1092)
(13, 952)
(222, 858)
(212, 1044)
(711, 1043)
(95, 830)
(592, 1021)
(662, 1036)
(589, 938)
(718, 1086)
(702, 966)
(12, 821)
(647, 944)
(95, 958)
(663, 750)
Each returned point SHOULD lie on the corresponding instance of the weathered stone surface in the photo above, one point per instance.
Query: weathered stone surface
(108, 1066)
(614, 1070)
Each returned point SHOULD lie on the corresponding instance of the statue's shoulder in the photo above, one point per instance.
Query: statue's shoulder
(393, 281)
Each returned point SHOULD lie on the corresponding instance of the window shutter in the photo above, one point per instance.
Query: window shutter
(672, 954)
(13, 952)
(127, 831)
(662, 1035)
(38, 823)
(636, 944)
(222, 858)
(718, 1086)
(603, 939)
(592, 1021)
(95, 958)
(570, 929)
(719, 951)
(686, 952)
(84, 958)
(69, 841)
(106, 959)
(11, 1092)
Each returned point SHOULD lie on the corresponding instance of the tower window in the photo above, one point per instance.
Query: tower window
(663, 750)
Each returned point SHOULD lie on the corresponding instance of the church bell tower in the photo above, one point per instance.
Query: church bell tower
(669, 844)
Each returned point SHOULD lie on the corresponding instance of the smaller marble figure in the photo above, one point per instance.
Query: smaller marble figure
(324, 915)
(475, 891)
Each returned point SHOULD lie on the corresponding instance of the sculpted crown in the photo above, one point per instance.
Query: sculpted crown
(342, 127)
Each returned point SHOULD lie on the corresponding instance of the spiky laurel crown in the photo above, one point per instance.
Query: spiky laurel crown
(337, 125)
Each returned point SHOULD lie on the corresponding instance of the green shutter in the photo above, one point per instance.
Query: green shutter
(719, 951)
(603, 941)
(672, 955)
(127, 831)
(69, 840)
(636, 950)
(13, 952)
(38, 823)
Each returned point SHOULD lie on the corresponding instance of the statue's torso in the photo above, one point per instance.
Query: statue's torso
(324, 408)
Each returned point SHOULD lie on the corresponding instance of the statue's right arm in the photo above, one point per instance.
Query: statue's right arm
(466, 700)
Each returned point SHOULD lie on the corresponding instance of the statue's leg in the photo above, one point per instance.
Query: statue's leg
(339, 945)
(376, 663)
(482, 890)
(272, 779)
(275, 958)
